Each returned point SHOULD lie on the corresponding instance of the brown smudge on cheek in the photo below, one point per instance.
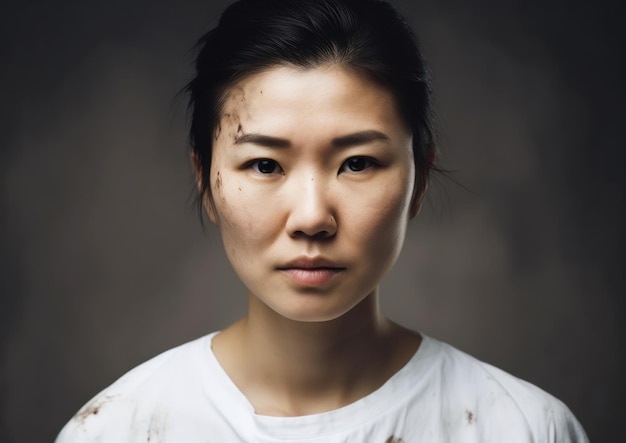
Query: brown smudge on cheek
(219, 189)
(216, 194)
(218, 182)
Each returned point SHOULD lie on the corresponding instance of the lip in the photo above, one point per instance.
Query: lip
(311, 263)
(311, 271)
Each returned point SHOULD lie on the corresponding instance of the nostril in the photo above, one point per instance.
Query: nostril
(322, 234)
(311, 218)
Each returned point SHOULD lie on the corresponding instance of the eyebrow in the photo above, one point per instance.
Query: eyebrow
(262, 140)
(359, 138)
(345, 141)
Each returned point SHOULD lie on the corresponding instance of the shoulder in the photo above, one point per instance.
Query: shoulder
(495, 401)
(132, 403)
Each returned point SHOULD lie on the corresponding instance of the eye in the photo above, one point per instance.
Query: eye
(356, 164)
(265, 166)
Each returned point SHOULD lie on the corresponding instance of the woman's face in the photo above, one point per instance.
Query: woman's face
(312, 180)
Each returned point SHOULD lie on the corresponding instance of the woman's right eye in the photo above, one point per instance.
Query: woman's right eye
(265, 166)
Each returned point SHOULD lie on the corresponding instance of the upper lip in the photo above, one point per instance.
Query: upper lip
(310, 263)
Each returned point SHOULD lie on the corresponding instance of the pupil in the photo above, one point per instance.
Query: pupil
(267, 166)
(357, 164)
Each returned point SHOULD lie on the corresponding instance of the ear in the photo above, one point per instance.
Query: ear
(416, 200)
(207, 199)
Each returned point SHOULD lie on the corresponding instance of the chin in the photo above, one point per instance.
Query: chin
(313, 317)
(313, 308)
(311, 314)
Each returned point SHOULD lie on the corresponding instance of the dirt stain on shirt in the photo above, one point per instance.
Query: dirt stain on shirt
(157, 428)
(92, 408)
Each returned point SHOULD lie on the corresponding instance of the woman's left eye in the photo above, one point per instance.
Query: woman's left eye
(356, 164)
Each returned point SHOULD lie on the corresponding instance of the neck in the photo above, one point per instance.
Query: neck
(287, 367)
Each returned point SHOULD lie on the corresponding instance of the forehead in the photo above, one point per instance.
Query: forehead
(328, 97)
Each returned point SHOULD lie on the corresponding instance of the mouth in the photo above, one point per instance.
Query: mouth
(311, 272)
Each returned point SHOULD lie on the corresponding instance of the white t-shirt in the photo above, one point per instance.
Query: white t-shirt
(440, 395)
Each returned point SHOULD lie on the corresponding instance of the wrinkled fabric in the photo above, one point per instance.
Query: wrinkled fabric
(440, 395)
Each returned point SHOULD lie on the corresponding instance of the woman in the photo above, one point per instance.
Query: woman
(312, 145)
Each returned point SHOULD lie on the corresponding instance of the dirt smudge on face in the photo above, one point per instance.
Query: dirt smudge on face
(218, 181)
(229, 126)
(235, 111)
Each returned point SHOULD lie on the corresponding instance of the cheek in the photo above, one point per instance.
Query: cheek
(383, 211)
(378, 225)
(244, 221)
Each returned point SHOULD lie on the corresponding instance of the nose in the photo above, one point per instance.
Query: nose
(311, 214)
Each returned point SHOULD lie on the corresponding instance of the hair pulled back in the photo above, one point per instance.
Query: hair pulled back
(366, 36)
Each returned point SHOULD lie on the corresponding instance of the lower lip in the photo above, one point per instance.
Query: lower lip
(313, 276)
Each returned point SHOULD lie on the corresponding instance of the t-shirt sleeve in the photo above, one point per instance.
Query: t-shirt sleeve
(548, 418)
(106, 418)
(114, 415)
(563, 427)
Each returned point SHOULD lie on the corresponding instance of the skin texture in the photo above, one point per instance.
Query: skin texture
(312, 185)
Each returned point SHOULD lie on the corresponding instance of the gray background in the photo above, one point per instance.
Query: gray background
(104, 263)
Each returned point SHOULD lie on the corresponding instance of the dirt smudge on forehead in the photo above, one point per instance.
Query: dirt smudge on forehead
(230, 109)
(237, 107)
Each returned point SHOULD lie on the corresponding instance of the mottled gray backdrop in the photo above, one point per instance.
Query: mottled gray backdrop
(104, 263)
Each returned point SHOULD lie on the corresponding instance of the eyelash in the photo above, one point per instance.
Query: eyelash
(369, 163)
(257, 164)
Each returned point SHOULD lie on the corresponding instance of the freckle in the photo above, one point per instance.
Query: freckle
(239, 189)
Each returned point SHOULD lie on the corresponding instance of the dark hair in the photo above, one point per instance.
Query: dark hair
(366, 36)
